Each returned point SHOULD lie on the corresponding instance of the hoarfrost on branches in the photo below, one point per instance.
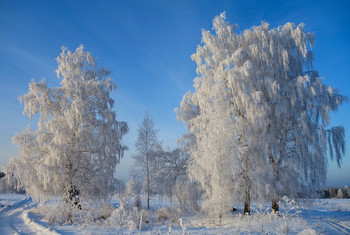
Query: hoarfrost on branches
(77, 143)
(259, 115)
(147, 145)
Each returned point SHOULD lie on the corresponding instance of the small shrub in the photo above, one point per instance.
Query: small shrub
(308, 231)
(126, 217)
(60, 213)
(162, 214)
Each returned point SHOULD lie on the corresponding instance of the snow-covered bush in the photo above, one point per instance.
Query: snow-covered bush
(126, 217)
(288, 210)
(162, 214)
(59, 213)
(308, 231)
(265, 221)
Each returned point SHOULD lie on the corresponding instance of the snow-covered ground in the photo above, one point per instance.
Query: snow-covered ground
(15, 219)
(329, 216)
(323, 216)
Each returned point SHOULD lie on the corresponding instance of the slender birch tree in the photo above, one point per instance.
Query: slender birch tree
(147, 145)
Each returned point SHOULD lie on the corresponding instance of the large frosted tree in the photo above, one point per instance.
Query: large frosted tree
(259, 114)
(77, 143)
(226, 117)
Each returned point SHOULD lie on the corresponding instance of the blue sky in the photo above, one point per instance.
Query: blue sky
(147, 46)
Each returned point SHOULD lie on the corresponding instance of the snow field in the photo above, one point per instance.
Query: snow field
(327, 216)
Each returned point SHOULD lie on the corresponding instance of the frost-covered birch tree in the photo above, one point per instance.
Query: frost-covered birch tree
(77, 143)
(259, 114)
(147, 145)
(296, 110)
(226, 116)
(297, 106)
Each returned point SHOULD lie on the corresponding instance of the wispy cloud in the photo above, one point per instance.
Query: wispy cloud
(30, 58)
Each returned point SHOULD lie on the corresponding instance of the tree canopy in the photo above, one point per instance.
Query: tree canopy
(77, 143)
(259, 114)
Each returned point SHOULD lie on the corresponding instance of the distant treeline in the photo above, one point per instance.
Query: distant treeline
(334, 192)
